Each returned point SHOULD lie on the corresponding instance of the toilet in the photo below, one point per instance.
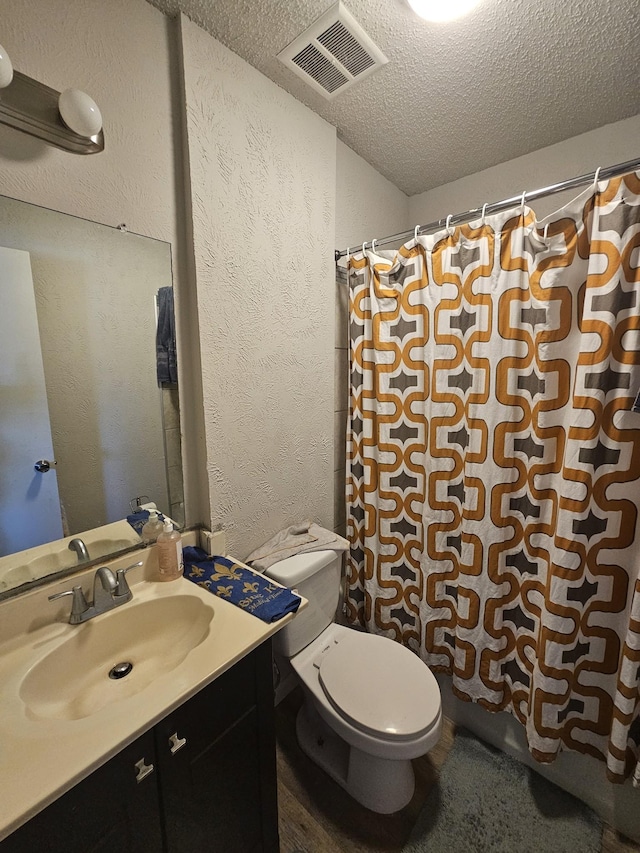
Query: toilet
(371, 705)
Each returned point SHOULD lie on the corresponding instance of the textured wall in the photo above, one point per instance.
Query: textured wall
(119, 52)
(367, 206)
(614, 143)
(262, 180)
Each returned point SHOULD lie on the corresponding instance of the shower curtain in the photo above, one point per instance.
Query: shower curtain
(494, 462)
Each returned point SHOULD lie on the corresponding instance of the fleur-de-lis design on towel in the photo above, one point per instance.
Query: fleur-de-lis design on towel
(196, 572)
(232, 574)
(224, 591)
(206, 584)
(250, 587)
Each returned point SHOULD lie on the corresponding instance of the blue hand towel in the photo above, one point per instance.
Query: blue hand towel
(166, 359)
(239, 585)
(138, 519)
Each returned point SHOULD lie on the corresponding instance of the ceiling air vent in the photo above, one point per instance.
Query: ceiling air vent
(334, 53)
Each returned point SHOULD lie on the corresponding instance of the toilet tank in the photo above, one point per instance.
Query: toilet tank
(316, 576)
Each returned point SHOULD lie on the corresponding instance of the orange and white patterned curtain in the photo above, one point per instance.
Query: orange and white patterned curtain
(493, 476)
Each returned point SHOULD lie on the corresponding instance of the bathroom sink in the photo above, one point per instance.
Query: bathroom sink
(62, 716)
(73, 680)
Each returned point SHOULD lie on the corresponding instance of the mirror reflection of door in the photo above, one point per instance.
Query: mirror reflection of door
(29, 501)
(116, 433)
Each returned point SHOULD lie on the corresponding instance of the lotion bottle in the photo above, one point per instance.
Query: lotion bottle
(170, 562)
(152, 528)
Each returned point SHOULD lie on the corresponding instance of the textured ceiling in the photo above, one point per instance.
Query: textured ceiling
(510, 78)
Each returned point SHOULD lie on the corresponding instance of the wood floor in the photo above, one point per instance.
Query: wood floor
(318, 816)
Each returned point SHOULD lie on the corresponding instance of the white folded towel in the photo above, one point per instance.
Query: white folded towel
(296, 539)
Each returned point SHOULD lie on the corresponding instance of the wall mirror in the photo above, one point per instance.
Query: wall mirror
(79, 390)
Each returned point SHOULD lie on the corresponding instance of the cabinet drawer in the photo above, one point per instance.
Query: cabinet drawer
(217, 764)
(211, 798)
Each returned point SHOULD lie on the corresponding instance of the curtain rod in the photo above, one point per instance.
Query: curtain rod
(505, 204)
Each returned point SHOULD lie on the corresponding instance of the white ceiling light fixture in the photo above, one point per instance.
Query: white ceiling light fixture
(442, 10)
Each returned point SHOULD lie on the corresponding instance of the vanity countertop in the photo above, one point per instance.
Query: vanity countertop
(41, 758)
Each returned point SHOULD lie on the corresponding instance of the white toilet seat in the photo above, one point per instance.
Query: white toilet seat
(379, 686)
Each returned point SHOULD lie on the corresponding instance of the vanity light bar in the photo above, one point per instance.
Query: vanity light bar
(30, 106)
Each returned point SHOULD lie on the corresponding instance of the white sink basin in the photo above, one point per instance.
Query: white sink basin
(72, 680)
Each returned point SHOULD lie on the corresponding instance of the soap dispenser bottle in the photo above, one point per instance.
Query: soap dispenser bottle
(170, 562)
(152, 529)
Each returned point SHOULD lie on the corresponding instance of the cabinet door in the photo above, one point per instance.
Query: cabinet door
(218, 792)
(108, 812)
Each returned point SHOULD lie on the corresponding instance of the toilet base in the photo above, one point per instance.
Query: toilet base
(380, 784)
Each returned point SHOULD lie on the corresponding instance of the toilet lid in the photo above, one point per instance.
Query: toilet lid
(380, 686)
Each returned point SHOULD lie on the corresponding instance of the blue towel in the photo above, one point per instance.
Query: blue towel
(239, 585)
(166, 358)
(138, 519)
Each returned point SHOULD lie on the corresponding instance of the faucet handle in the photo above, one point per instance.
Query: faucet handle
(122, 587)
(79, 605)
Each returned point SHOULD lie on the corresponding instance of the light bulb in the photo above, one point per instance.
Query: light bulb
(6, 68)
(442, 10)
(80, 112)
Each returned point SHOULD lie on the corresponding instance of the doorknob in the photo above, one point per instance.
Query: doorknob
(43, 465)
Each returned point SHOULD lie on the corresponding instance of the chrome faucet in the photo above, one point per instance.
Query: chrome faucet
(109, 590)
(104, 587)
(81, 550)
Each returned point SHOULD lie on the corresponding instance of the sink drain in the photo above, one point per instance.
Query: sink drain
(121, 669)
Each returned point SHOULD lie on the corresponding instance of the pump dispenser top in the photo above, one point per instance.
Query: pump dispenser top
(152, 529)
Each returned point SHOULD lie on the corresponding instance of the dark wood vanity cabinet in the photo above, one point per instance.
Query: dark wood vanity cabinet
(212, 787)
(108, 812)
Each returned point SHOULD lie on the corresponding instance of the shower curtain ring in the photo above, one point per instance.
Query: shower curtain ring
(415, 232)
(448, 225)
(348, 256)
(373, 245)
(596, 178)
(363, 245)
(484, 210)
(524, 197)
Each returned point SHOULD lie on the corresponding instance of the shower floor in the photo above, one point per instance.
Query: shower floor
(317, 816)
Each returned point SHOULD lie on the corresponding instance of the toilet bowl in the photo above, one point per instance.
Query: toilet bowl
(370, 706)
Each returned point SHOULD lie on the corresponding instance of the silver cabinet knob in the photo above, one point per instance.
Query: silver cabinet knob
(143, 769)
(176, 743)
(43, 465)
